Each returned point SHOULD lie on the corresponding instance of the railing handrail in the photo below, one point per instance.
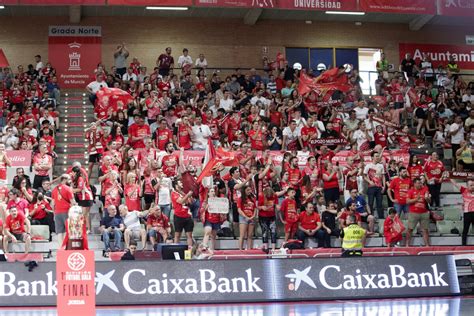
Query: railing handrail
(269, 255)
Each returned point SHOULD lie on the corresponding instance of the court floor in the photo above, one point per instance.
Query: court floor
(396, 307)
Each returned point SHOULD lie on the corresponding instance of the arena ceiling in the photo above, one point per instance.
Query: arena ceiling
(249, 16)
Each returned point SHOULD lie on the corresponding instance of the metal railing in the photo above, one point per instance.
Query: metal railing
(265, 256)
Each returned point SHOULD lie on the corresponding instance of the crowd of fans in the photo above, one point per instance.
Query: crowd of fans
(261, 117)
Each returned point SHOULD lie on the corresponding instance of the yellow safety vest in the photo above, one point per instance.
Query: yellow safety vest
(466, 156)
(353, 236)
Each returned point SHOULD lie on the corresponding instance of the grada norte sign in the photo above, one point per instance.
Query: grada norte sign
(169, 282)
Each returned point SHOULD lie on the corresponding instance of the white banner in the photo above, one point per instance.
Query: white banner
(218, 205)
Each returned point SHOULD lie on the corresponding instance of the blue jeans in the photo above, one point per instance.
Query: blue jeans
(116, 234)
(320, 236)
(375, 193)
(165, 209)
(400, 208)
(194, 207)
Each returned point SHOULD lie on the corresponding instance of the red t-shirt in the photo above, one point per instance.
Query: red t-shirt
(248, 208)
(434, 170)
(163, 137)
(294, 177)
(418, 207)
(256, 144)
(136, 130)
(40, 209)
(344, 215)
(21, 205)
(415, 171)
(43, 160)
(308, 131)
(269, 202)
(400, 189)
(468, 199)
(132, 197)
(155, 221)
(62, 196)
(332, 183)
(309, 221)
(169, 165)
(180, 210)
(288, 208)
(15, 225)
(184, 139)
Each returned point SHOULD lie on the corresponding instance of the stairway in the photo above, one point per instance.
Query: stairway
(75, 113)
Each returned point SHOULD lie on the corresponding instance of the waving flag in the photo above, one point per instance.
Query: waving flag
(111, 100)
(214, 159)
(327, 82)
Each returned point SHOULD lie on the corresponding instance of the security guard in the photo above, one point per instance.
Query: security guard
(353, 238)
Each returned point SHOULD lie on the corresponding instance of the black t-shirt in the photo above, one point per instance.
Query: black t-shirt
(329, 220)
(407, 66)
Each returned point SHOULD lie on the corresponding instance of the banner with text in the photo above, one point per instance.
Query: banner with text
(229, 281)
(399, 6)
(397, 154)
(236, 3)
(456, 7)
(75, 52)
(440, 54)
(19, 159)
(75, 274)
(330, 5)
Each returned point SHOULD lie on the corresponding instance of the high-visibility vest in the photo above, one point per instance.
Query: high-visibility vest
(353, 236)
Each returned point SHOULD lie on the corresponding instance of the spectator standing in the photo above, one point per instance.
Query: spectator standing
(433, 170)
(247, 208)
(182, 215)
(468, 207)
(398, 191)
(165, 62)
(39, 64)
(374, 175)
(63, 199)
(94, 86)
(418, 199)
(120, 59)
(42, 164)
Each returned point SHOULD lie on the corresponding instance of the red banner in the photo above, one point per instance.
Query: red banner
(75, 52)
(399, 6)
(397, 155)
(237, 3)
(440, 54)
(456, 7)
(60, 2)
(75, 274)
(323, 5)
(175, 3)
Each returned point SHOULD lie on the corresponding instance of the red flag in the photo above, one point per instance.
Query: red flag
(111, 100)
(216, 157)
(3, 60)
(327, 82)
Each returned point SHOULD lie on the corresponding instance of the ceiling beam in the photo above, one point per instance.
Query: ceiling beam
(252, 15)
(75, 12)
(417, 23)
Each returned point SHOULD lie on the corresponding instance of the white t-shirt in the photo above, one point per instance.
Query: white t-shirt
(183, 60)
(459, 136)
(371, 125)
(361, 113)
(227, 105)
(468, 98)
(96, 86)
(200, 135)
(132, 220)
(129, 77)
(291, 135)
(375, 173)
(264, 101)
(39, 66)
(361, 138)
(201, 63)
(164, 192)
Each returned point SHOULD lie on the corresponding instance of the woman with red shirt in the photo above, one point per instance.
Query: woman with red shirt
(246, 206)
(257, 136)
(113, 189)
(212, 221)
(83, 194)
(415, 168)
(267, 205)
(149, 188)
(380, 136)
(331, 175)
(41, 212)
(434, 170)
(132, 193)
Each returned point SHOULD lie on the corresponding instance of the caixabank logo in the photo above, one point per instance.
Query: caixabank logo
(331, 278)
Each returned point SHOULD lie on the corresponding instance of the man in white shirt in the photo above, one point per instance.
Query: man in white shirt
(227, 103)
(468, 96)
(133, 228)
(94, 86)
(164, 192)
(39, 63)
(363, 137)
(361, 110)
(201, 133)
(456, 131)
(261, 98)
(370, 124)
(201, 62)
(185, 59)
(129, 75)
(374, 175)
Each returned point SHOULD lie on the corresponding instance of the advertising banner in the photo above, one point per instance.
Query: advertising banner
(456, 7)
(219, 281)
(19, 159)
(61, 2)
(440, 54)
(174, 3)
(236, 3)
(75, 52)
(397, 155)
(399, 6)
(323, 5)
(75, 274)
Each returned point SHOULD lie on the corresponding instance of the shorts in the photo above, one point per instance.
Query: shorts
(364, 219)
(291, 227)
(214, 226)
(421, 114)
(244, 220)
(85, 203)
(422, 218)
(181, 223)
(20, 237)
(154, 233)
(149, 198)
(95, 158)
(60, 222)
(136, 234)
